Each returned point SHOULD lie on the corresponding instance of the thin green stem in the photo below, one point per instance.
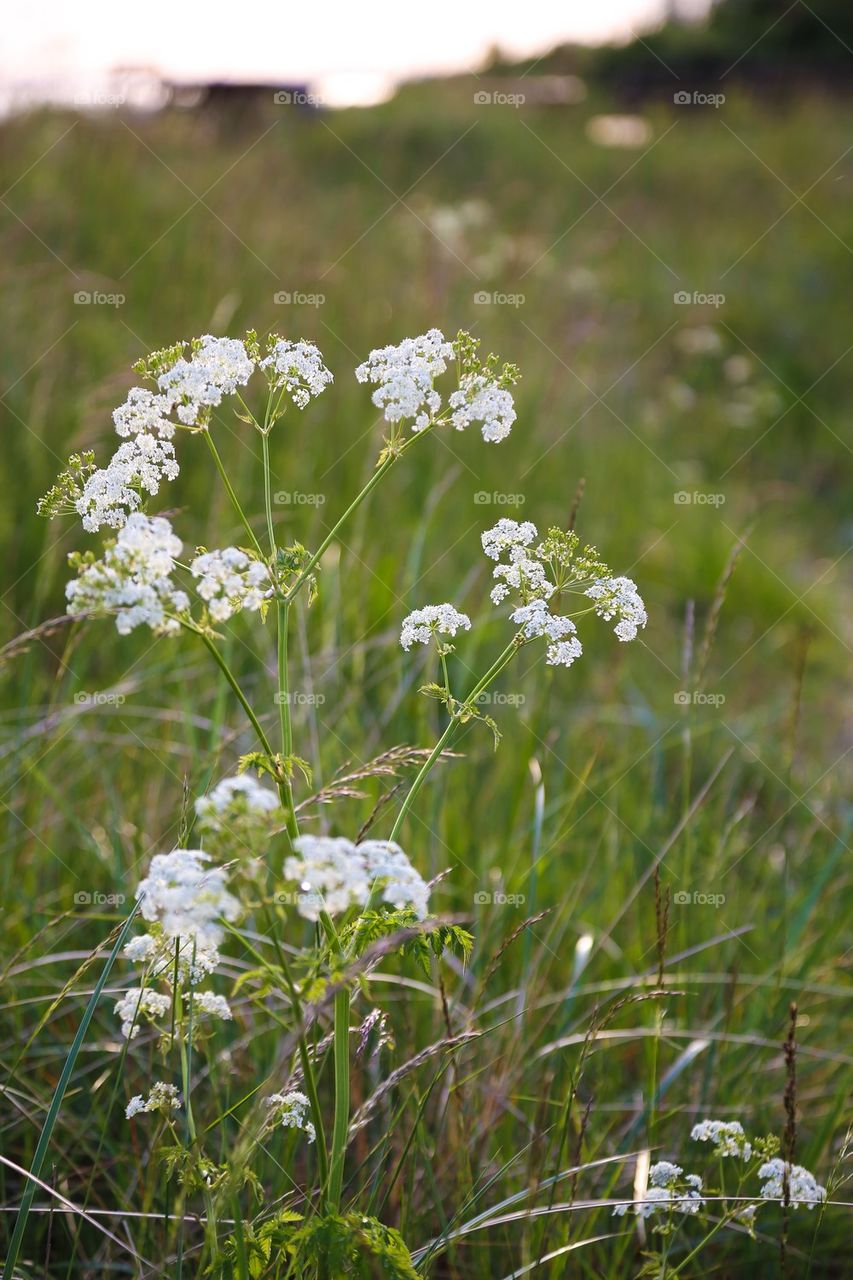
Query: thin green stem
(341, 1126)
(284, 714)
(381, 470)
(265, 445)
(425, 769)
(241, 697)
(229, 489)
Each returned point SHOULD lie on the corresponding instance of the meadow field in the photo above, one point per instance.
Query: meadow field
(654, 861)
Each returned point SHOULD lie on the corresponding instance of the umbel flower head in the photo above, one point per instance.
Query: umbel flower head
(162, 1098)
(230, 580)
(133, 579)
(421, 625)
(404, 377)
(296, 367)
(186, 897)
(291, 1111)
(239, 813)
(334, 874)
(803, 1187)
(667, 1191)
(112, 493)
(727, 1136)
(538, 572)
(216, 367)
(161, 953)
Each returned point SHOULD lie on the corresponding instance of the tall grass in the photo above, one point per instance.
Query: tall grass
(500, 1146)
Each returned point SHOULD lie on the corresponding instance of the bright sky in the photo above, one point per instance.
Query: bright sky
(78, 40)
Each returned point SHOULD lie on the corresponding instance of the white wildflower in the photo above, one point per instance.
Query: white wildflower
(185, 897)
(230, 580)
(667, 1191)
(564, 646)
(291, 1111)
(113, 492)
(299, 367)
(422, 624)
(195, 960)
(803, 1188)
(479, 399)
(619, 598)
(218, 367)
(136, 1004)
(163, 1097)
(239, 811)
(507, 534)
(404, 375)
(144, 413)
(727, 1136)
(132, 580)
(334, 874)
(213, 1005)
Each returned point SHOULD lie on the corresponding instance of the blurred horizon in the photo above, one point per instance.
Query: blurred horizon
(52, 52)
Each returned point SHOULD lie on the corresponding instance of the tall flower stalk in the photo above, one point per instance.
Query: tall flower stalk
(353, 892)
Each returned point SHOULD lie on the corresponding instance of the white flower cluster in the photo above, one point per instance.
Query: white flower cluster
(163, 1097)
(422, 624)
(727, 1136)
(619, 598)
(185, 897)
(136, 1004)
(803, 1188)
(667, 1191)
(133, 579)
(217, 368)
(110, 494)
(563, 644)
(144, 413)
(481, 400)
(238, 810)
(213, 1005)
(334, 874)
(522, 572)
(297, 366)
(194, 959)
(230, 580)
(290, 1110)
(404, 375)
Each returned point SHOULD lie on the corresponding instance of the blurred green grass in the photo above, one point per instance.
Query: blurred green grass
(399, 216)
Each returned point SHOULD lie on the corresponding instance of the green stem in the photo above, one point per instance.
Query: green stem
(284, 715)
(241, 697)
(341, 1127)
(229, 489)
(265, 445)
(493, 671)
(381, 470)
